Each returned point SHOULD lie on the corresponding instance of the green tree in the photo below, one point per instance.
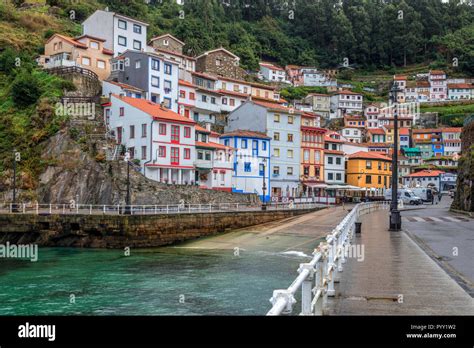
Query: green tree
(25, 89)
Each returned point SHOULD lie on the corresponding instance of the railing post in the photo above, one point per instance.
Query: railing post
(103, 209)
(50, 208)
(64, 208)
(77, 208)
(167, 209)
(331, 265)
(24, 208)
(319, 286)
(37, 208)
(306, 289)
(90, 209)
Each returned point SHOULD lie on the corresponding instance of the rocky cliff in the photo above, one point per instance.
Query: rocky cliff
(464, 196)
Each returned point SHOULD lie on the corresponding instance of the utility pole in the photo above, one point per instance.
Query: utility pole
(395, 218)
(264, 186)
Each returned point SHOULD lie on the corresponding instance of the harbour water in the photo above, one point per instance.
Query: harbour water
(160, 281)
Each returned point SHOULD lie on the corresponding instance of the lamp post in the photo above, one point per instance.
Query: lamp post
(16, 158)
(127, 210)
(264, 186)
(395, 218)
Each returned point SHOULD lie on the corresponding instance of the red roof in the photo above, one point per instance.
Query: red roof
(345, 91)
(245, 134)
(437, 72)
(400, 77)
(460, 85)
(426, 173)
(236, 94)
(369, 155)
(271, 66)
(69, 39)
(327, 138)
(427, 130)
(206, 76)
(155, 110)
(452, 130)
(212, 145)
(201, 129)
(186, 83)
(404, 131)
(379, 131)
(276, 106)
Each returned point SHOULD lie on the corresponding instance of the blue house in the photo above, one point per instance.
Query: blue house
(251, 161)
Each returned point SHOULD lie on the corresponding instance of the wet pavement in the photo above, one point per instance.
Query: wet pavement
(395, 277)
(447, 237)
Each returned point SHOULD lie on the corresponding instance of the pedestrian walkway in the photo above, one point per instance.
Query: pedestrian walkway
(395, 277)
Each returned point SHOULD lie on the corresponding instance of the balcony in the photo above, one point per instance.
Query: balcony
(203, 164)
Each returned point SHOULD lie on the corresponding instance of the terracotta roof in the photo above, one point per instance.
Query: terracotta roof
(460, 85)
(245, 134)
(68, 39)
(292, 67)
(404, 131)
(376, 131)
(212, 145)
(452, 130)
(426, 130)
(379, 145)
(107, 51)
(236, 94)
(422, 84)
(155, 110)
(400, 77)
(369, 155)
(271, 66)
(276, 106)
(425, 173)
(206, 76)
(328, 139)
(201, 129)
(345, 91)
(90, 37)
(437, 72)
(333, 152)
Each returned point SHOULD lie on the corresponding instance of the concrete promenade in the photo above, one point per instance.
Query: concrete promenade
(396, 277)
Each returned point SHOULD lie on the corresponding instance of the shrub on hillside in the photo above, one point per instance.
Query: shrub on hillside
(25, 90)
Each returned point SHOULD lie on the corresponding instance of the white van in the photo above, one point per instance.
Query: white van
(425, 193)
(407, 196)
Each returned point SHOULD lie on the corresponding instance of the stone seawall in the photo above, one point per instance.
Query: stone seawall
(118, 231)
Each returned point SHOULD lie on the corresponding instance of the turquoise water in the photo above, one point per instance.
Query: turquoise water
(163, 281)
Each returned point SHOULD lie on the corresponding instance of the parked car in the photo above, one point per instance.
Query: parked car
(407, 196)
(425, 193)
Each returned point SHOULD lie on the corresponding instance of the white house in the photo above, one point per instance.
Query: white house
(316, 78)
(187, 99)
(460, 91)
(120, 32)
(272, 73)
(160, 139)
(451, 140)
(345, 102)
(438, 85)
(334, 165)
(423, 178)
(352, 134)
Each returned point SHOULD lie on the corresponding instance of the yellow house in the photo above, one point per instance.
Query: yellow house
(369, 169)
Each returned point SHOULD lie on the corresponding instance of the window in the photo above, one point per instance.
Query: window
(276, 118)
(276, 136)
(168, 69)
(379, 180)
(338, 176)
(187, 153)
(94, 45)
(213, 100)
(131, 151)
(162, 129)
(137, 28)
(289, 153)
(155, 64)
(122, 111)
(138, 64)
(175, 155)
(247, 167)
(368, 179)
(261, 169)
(144, 130)
(289, 171)
(137, 45)
(204, 98)
(167, 86)
(317, 156)
(338, 160)
(330, 160)
(101, 64)
(276, 170)
(122, 41)
(200, 155)
(368, 164)
(379, 165)
(187, 132)
(155, 81)
(192, 96)
(244, 143)
(132, 132)
(276, 152)
(122, 24)
(224, 86)
(330, 176)
(290, 138)
(143, 152)
(162, 151)
(232, 102)
(175, 134)
(264, 145)
(290, 119)
(306, 155)
(224, 101)
(182, 94)
(86, 61)
(306, 171)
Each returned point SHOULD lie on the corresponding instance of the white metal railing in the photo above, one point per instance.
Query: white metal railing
(179, 208)
(316, 278)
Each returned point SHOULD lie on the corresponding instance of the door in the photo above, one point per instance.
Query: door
(119, 135)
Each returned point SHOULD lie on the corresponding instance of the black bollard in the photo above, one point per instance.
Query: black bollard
(358, 226)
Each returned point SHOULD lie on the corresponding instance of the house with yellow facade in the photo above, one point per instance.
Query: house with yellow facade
(369, 170)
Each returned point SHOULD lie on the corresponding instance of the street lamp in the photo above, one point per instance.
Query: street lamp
(264, 186)
(395, 218)
(16, 158)
(127, 210)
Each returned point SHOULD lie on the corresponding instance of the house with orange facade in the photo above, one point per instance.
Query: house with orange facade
(85, 51)
(312, 152)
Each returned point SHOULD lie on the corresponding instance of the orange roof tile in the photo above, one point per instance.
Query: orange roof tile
(460, 85)
(426, 173)
(452, 130)
(404, 131)
(212, 145)
(369, 155)
(379, 131)
(276, 106)
(245, 134)
(186, 83)
(155, 110)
